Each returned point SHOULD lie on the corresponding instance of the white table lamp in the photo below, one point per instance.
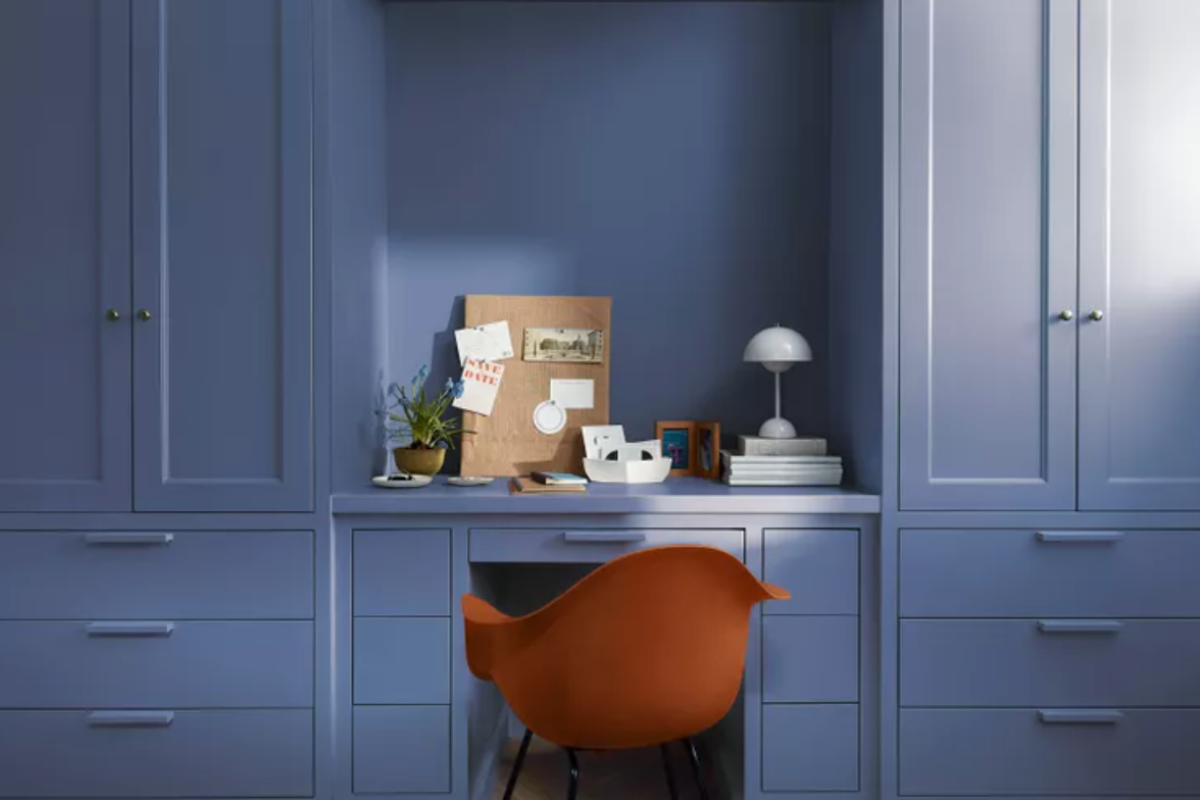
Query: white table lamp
(777, 349)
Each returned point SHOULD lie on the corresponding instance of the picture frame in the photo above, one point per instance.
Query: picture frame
(708, 450)
(678, 440)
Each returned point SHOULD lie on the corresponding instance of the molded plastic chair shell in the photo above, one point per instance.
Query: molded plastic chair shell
(647, 649)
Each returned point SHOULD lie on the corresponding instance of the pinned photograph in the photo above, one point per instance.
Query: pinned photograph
(573, 345)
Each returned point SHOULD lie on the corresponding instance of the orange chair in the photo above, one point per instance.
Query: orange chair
(647, 649)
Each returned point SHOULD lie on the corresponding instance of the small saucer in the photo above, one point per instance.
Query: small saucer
(395, 482)
(460, 480)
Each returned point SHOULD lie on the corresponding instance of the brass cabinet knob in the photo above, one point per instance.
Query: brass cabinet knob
(112, 314)
(1096, 315)
(143, 315)
(1066, 315)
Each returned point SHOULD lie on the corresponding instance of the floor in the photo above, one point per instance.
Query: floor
(622, 775)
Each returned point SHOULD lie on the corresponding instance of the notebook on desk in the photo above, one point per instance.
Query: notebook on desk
(530, 486)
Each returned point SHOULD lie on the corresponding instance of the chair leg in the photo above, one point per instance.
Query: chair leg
(516, 768)
(695, 758)
(666, 759)
(573, 786)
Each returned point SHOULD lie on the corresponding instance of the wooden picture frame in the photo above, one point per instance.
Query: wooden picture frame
(708, 450)
(679, 444)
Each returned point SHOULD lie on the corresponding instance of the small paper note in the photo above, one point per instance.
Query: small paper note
(481, 384)
(491, 342)
(574, 393)
(598, 437)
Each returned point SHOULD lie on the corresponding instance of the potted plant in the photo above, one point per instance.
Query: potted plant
(422, 421)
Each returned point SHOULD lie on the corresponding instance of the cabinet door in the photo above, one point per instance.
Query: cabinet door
(1139, 365)
(987, 254)
(222, 183)
(64, 255)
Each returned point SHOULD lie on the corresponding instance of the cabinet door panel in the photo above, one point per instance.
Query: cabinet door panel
(1139, 368)
(987, 254)
(64, 256)
(222, 192)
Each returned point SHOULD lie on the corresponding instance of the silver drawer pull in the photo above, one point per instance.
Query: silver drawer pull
(130, 719)
(1080, 537)
(610, 537)
(1078, 716)
(1079, 626)
(130, 628)
(135, 539)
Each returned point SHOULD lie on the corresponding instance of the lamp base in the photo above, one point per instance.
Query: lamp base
(777, 428)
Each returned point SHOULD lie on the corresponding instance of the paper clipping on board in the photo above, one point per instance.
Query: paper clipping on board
(573, 393)
(491, 342)
(481, 384)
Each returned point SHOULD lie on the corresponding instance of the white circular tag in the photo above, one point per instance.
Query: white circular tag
(549, 417)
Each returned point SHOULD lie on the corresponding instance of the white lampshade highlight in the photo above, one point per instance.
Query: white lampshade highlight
(777, 348)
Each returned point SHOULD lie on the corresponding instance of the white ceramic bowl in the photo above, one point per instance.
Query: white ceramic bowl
(654, 471)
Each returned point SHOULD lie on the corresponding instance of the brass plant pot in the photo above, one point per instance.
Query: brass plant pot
(419, 461)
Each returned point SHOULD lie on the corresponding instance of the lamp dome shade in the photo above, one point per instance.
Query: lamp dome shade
(777, 344)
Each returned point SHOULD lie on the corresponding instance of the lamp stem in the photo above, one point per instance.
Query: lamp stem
(778, 408)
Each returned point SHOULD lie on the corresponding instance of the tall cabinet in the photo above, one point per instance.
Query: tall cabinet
(1047, 222)
(156, 213)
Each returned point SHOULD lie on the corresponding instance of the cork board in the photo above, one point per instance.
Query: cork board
(506, 442)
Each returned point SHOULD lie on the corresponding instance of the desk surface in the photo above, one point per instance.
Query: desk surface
(674, 496)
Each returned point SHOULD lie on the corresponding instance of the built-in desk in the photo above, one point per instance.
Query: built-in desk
(410, 720)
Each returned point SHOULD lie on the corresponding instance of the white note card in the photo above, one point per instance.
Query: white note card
(481, 384)
(574, 393)
(491, 342)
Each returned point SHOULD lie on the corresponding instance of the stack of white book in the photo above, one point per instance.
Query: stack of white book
(780, 462)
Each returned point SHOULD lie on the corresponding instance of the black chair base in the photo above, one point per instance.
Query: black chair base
(573, 761)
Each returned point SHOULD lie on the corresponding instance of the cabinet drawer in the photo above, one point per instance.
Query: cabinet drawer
(819, 568)
(1049, 752)
(810, 659)
(590, 545)
(401, 749)
(156, 664)
(399, 661)
(1028, 573)
(156, 575)
(237, 753)
(402, 572)
(810, 748)
(1066, 662)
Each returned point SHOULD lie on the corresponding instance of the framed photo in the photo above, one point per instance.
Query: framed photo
(571, 345)
(678, 444)
(708, 450)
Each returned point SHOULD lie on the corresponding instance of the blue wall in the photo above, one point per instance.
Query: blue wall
(671, 155)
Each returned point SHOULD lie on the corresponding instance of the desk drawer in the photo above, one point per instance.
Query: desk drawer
(398, 661)
(1071, 662)
(156, 754)
(156, 575)
(1028, 573)
(1088, 752)
(156, 664)
(402, 572)
(819, 567)
(590, 545)
(810, 748)
(810, 659)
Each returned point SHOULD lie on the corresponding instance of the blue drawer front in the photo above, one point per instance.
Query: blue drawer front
(402, 573)
(156, 664)
(819, 568)
(157, 575)
(401, 749)
(810, 659)
(589, 545)
(810, 748)
(1083, 752)
(239, 753)
(1050, 662)
(1029, 573)
(399, 661)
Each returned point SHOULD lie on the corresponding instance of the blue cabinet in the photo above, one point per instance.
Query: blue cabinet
(1139, 256)
(64, 256)
(155, 231)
